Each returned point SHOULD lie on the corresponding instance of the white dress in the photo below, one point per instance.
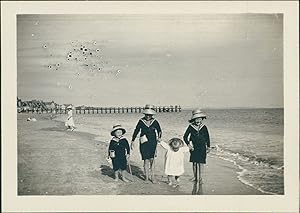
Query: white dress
(174, 160)
(70, 121)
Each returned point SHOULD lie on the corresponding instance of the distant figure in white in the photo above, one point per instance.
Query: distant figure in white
(70, 122)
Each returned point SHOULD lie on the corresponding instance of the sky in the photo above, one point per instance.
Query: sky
(205, 60)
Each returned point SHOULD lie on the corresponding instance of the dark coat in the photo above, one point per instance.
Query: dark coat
(121, 148)
(200, 140)
(151, 131)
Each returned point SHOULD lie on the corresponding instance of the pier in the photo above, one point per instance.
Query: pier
(104, 110)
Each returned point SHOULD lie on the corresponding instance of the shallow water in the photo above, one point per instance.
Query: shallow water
(252, 139)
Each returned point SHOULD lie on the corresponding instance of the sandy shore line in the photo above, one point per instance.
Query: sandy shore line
(53, 161)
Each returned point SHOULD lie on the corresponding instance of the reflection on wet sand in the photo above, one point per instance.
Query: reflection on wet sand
(197, 189)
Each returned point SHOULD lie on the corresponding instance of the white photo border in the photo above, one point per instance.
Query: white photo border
(289, 202)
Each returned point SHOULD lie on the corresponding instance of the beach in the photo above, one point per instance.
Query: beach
(53, 161)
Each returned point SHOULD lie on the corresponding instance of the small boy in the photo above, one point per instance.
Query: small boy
(119, 152)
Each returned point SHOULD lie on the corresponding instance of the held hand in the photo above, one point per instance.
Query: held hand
(191, 147)
(208, 150)
(109, 160)
(158, 140)
(132, 145)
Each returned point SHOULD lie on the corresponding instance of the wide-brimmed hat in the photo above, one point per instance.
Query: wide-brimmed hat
(117, 127)
(197, 113)
(149, 110)
(69, 107)
(175, 143)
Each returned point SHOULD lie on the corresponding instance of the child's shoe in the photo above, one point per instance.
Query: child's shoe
(153, 180)
(116, 177)
(193, 179)
(175, 185)
(124, 179)
(200, 181)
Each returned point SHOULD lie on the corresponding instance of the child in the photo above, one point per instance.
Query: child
(197, 133)
(150, 131)
(119, 152)
(174, 159)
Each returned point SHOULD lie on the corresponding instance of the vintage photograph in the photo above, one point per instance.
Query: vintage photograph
(150, 104)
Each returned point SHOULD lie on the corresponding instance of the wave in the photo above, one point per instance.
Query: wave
(248, 157)
(242, 162)
(243, 180)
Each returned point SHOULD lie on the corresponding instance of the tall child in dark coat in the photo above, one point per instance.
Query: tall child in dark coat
(119, 152)
(196, 137)
(150, 132)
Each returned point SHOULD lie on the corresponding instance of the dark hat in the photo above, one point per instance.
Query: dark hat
(117, 127)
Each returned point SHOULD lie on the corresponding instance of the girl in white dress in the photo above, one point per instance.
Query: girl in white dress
(70, 121)
(174, 159)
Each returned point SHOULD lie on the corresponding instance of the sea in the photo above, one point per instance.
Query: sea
(251, 139)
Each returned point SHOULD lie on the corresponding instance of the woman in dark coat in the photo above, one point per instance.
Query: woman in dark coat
(196, 137)
(150, 131)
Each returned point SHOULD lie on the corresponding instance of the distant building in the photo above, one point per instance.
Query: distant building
(50, 105)
(64, 106)
(81, 107)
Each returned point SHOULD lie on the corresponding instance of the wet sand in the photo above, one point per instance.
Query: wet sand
(53, 161)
